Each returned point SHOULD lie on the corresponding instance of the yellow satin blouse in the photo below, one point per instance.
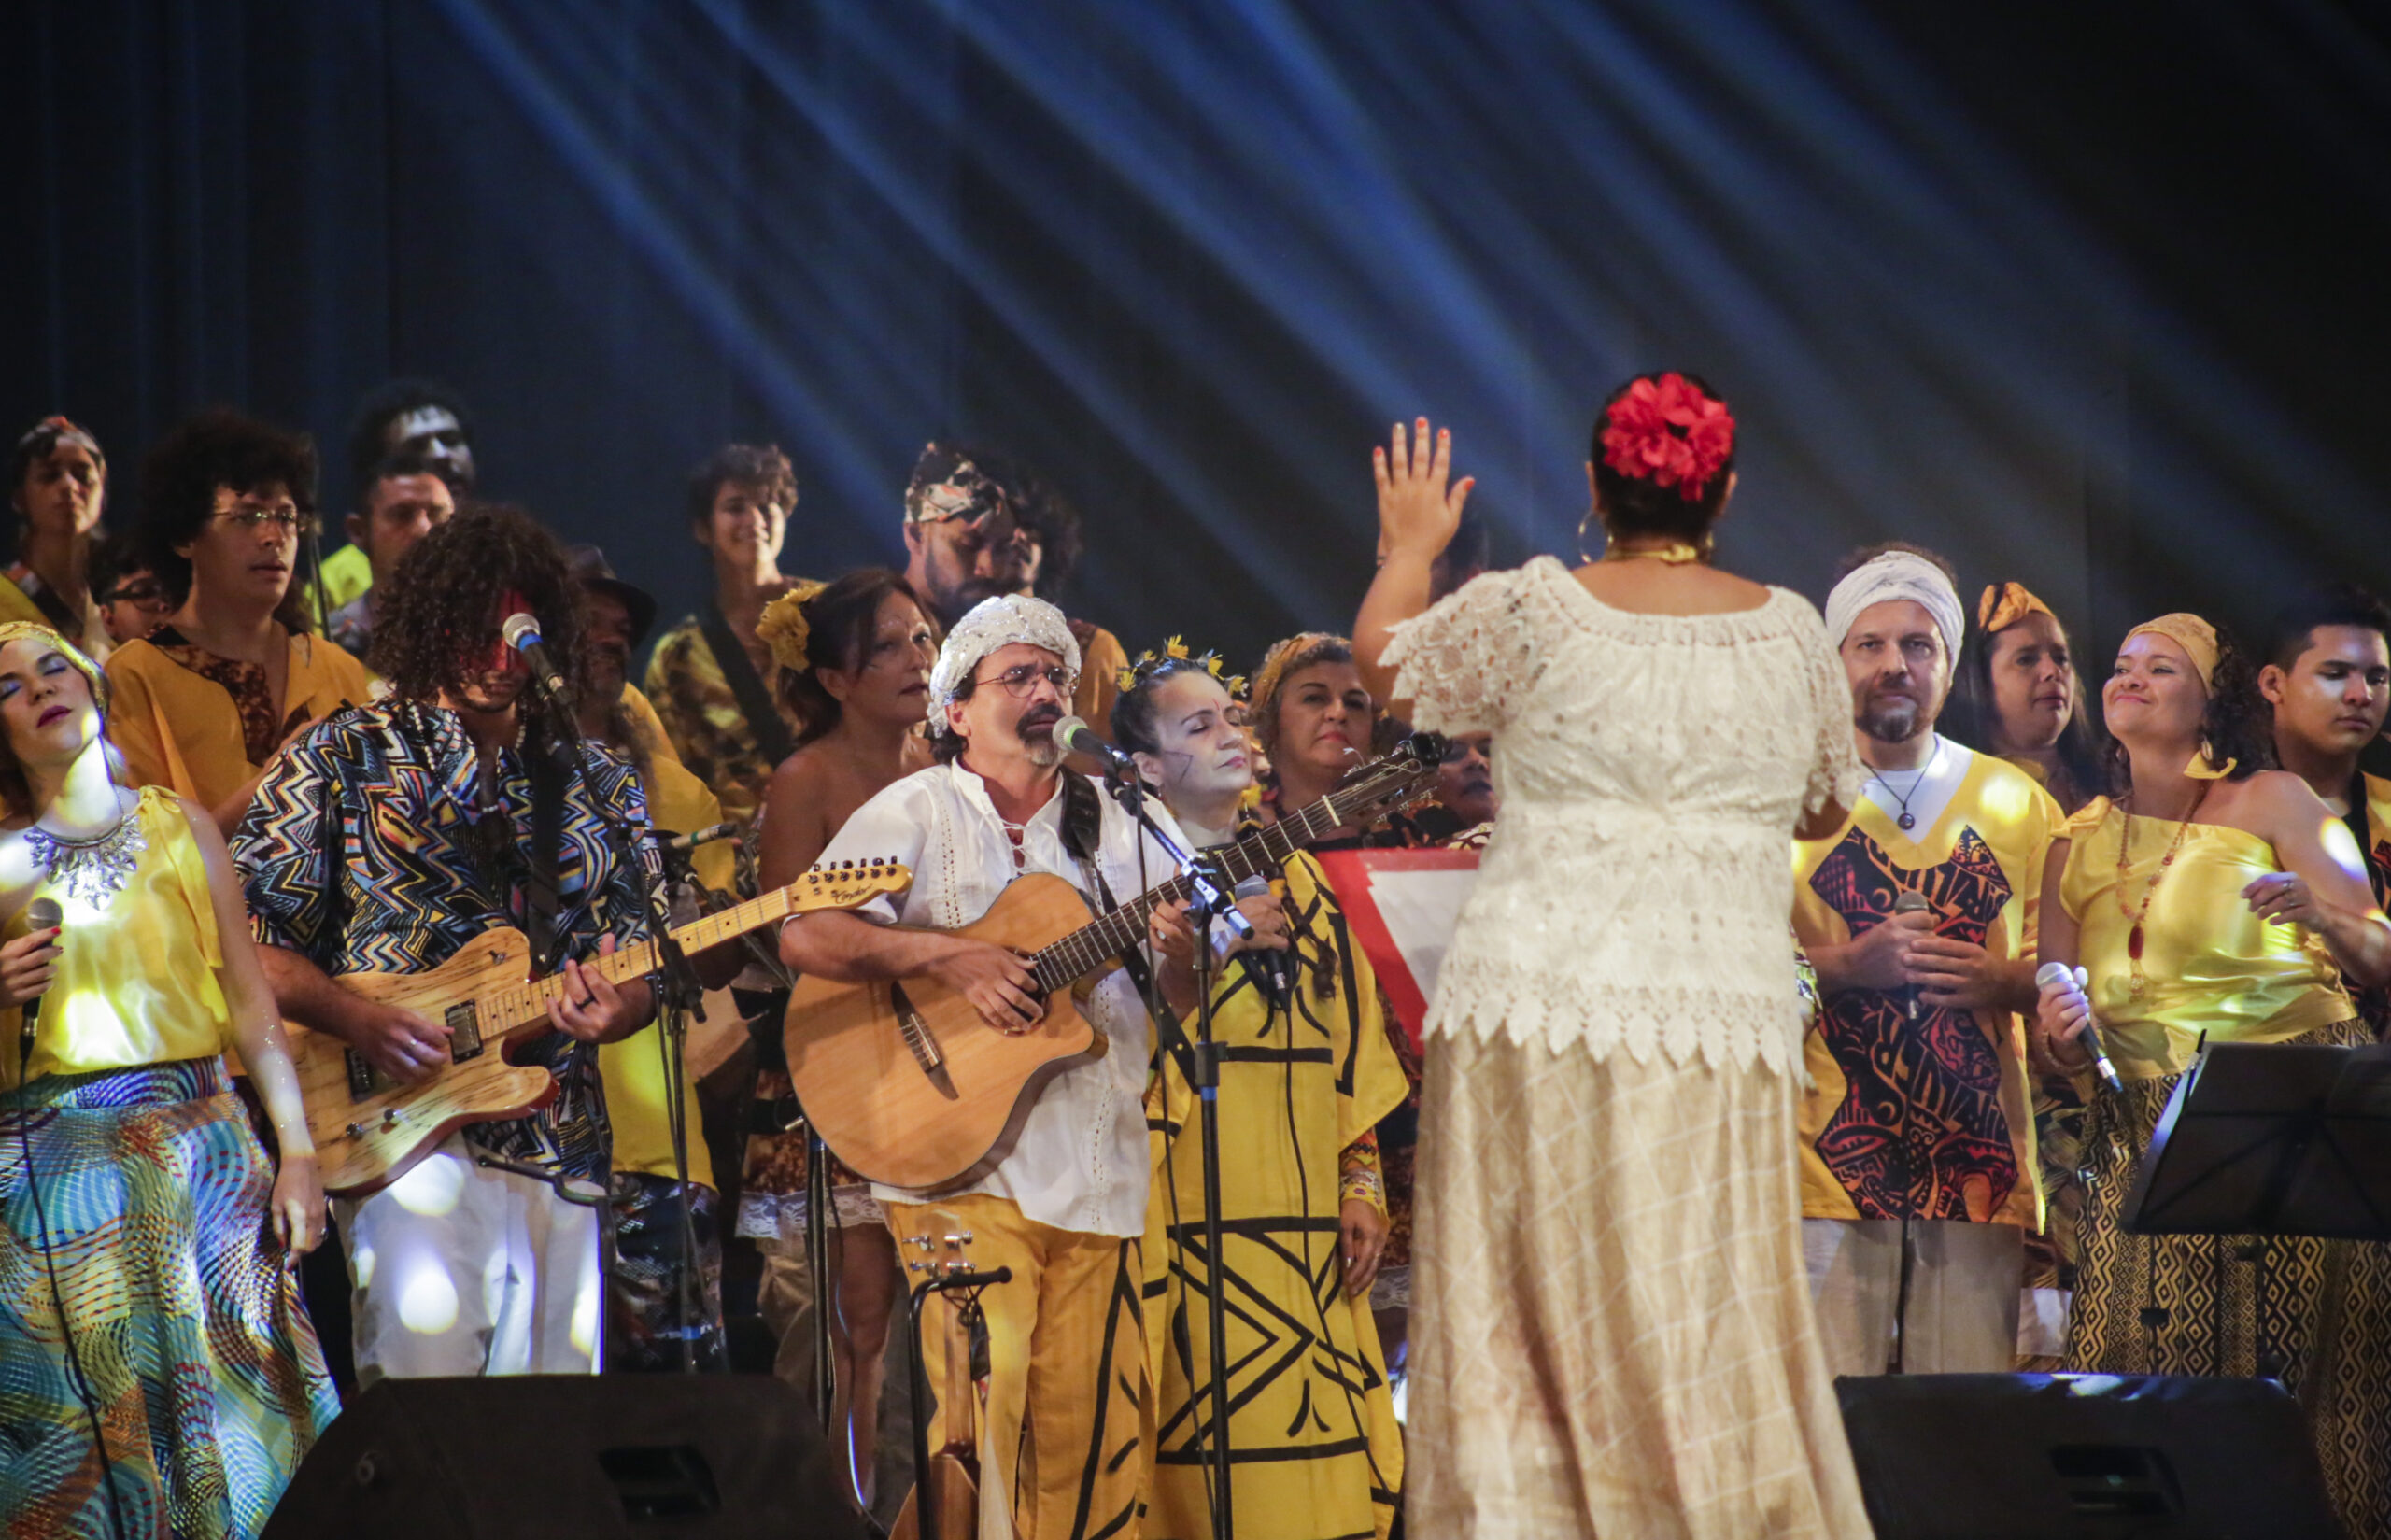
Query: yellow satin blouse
(137, 980)
(2211, 965)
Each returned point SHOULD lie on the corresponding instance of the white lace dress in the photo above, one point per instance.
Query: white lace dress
(1611, 1333)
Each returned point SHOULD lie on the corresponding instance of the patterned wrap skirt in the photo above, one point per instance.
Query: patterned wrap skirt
(201, 1366)
(2316, 1313)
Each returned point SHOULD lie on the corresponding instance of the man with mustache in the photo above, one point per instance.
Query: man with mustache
(1066, 1209)
(712, 677)
(387, 839)
(1918, 1159)
(2327, 677)
(203, 702)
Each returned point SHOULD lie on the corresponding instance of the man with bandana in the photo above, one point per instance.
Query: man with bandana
(1917, 1143)
(1066, 1207)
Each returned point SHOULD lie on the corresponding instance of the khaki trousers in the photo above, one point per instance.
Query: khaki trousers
(1069, 1420)
(1960, 1315)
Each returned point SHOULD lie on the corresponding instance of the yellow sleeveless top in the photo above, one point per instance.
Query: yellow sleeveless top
(136, 982)
(2211, 965)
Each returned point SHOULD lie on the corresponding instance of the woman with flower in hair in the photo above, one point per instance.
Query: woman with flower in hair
(1612, 1330)
(58, 483)
(854, 660)
(2214, 900)
(160, 1376)
(1309, 1074)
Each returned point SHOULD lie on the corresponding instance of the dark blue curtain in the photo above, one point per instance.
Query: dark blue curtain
(2091, 295)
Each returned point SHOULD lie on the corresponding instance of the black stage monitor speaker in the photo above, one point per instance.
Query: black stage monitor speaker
(2101, 1457)
(639, 1457)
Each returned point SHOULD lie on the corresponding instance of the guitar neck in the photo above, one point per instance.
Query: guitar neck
(1099, 941)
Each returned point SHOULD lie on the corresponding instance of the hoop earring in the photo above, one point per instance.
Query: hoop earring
(1583, 525)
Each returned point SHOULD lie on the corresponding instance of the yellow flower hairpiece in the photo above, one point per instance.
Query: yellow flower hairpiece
(783, 629)
(1174, 650)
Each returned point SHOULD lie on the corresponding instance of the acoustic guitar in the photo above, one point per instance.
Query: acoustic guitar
(370, 1129)
(908, 1085)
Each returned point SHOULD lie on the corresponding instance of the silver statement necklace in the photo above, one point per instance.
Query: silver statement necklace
(1908, 820)
(92, 870)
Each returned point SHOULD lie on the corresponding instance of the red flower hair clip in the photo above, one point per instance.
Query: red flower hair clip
(1668, 431)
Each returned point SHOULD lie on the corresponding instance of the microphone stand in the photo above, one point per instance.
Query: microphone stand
(679, 995)
(1212, 901)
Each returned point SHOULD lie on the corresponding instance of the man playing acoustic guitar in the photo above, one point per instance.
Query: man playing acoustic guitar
(1065, 1206)
(386, 840)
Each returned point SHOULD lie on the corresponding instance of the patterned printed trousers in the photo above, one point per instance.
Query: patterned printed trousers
(1068, 1418)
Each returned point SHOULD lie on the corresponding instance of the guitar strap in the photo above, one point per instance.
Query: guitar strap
(747, 686)
(547, 768)
(1082, 828)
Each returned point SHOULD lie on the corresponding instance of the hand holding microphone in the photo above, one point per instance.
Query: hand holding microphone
(1910, 901)
(27, 967)
(2064, 1014)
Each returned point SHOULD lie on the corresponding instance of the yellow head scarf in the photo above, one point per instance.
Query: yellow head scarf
(2197, 639)
(21, 630)
(2004, 604)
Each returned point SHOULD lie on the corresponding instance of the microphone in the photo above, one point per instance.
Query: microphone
(43, 913)
(1910, 901)
(1075, 735)
(681, 844)
(522, 633)
(1268, 970)
(2051, 973)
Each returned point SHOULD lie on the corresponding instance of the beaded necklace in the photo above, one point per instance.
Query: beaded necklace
(2134, 918)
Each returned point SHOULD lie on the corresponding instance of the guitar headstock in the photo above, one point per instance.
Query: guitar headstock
(945, 1254)
(845, 884)
(1391, 783)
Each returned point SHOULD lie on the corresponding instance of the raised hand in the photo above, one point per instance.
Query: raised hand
(1418, 510)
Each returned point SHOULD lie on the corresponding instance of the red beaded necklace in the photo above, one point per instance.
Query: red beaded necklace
(2135, 917)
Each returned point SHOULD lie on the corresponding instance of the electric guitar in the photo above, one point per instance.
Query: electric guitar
(370, 1129)
(909, 1086)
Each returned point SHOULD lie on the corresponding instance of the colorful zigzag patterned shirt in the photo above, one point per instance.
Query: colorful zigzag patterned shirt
(390, 787)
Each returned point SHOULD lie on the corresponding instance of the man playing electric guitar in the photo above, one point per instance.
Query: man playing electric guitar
(1065, 1206)
(386, 841)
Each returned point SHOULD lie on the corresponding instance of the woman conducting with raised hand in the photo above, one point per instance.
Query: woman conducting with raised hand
(1307, 1074)
(854, 660)
(141, 1288)
(1612, 1332)
(2214, 900)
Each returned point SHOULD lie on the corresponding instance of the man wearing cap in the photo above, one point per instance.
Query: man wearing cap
(644, 1290)
(1066, 1207)
(398, 500)
(1918, 1153)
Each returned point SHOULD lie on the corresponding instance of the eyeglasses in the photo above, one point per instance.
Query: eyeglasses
(288, 517)
(147, 596)
(1019, 681)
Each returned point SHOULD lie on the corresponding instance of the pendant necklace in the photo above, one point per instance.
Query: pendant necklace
(1908, 820)
(2134, 918)
(90, 870)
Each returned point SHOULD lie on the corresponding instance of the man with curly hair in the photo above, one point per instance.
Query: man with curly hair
(711, 677)
(203, 702)
(386, 841)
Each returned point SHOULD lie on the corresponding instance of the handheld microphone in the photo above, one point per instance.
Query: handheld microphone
(43, 913)
(1268, 970)
(1077, 737)
(522, 633)
(1910, 901)
(681, 844)
(2051, 973)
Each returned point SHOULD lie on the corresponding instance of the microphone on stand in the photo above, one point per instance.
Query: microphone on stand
(1077, 737)
(522, 633)
(1269, 971)
(1910, 901)
(2051, 973)
(681, 844)
(43, 913)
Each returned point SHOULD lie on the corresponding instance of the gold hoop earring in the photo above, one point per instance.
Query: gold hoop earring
(1583, 525)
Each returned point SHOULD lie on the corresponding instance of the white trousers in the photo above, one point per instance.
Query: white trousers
(456, 1269)
(1960, 1314)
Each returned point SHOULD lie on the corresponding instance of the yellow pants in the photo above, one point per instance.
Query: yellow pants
(1069, 1418)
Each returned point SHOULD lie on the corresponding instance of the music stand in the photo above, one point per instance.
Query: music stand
(2272, 1139)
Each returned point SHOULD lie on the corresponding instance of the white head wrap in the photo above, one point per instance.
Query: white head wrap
(1897, 574)
(995, 623)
